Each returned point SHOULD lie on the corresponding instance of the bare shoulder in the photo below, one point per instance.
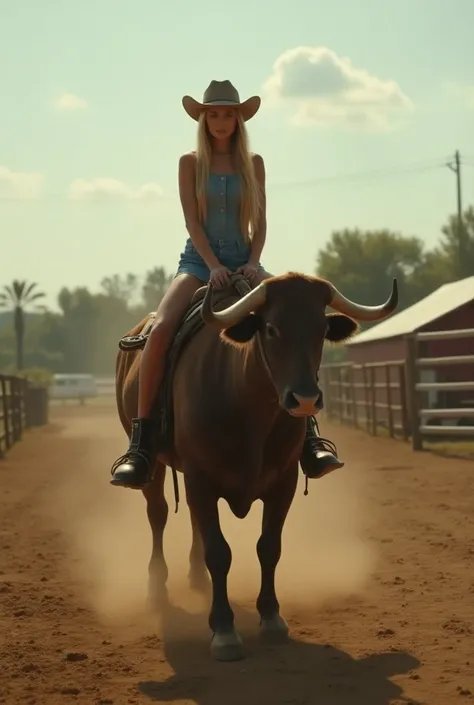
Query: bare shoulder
(187, 161)
(257, 160)
(259, 168)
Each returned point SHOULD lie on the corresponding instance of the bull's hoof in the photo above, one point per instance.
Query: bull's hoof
(274, 630)
(227, 646)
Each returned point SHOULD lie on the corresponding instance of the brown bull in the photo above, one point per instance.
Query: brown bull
(240, 394)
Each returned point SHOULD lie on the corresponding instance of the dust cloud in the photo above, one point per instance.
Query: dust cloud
(325, 556)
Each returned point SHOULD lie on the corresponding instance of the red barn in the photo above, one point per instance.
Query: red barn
(451, 307)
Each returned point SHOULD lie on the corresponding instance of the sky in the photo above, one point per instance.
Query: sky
(363, 104)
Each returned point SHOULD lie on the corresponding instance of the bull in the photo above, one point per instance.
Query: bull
(241, 390)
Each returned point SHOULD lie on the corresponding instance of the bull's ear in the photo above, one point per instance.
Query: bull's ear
(243, 331)
(340, 327)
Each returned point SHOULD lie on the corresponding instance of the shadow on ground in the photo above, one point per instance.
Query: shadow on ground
(297, 673)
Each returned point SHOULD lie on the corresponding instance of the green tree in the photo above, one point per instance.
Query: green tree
(19, 296)
(450, 260)
(80, 328)
(7, 348)
(84, 335)
(52, 339)
(154, 287)
(87, 331)
(120, 287)
(456, 247)
(361, 264)
(435, 272)
(115, 318)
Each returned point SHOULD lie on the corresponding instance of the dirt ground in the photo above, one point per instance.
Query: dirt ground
(376, 582)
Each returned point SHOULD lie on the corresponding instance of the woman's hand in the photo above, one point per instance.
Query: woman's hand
(219, 277)
(249, 270)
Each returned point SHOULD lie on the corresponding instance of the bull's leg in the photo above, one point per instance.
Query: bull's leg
(275, 510)
(226, 643)
(157, 511)
(198, 573)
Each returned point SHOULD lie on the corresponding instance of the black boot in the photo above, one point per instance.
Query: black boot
(135, 469)
(319, 456)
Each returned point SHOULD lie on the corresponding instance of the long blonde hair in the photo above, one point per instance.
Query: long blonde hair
(251, 197)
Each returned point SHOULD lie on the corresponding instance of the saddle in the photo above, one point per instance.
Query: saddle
(190, 324)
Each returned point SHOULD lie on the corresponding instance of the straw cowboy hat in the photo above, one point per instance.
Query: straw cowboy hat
(221, 93)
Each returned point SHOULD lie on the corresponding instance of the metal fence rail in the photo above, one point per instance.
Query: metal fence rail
(420, 412)
(13, 410)
(370, 396)
(389, 395)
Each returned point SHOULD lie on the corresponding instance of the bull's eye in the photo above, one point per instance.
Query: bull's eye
(271, 331)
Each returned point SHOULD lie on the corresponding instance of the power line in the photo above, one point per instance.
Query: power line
(385, 172)
(368, 174)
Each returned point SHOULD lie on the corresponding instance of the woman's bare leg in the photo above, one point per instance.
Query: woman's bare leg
(260, 276)
(168, 316)
(135, 468)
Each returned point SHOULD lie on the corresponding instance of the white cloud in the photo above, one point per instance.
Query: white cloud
(69, 101)
(327, 89)
(103, 189)
(19, 184)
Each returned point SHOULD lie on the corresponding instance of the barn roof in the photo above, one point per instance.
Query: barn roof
(442, 301)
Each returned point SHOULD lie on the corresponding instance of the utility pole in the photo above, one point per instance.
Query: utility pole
(456, 168)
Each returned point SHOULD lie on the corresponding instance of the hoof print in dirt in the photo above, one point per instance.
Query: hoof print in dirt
(76, 656)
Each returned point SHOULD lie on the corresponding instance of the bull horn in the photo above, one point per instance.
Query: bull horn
(364, 313)
(235, 312)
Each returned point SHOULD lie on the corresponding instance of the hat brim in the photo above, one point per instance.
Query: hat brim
(247, 109)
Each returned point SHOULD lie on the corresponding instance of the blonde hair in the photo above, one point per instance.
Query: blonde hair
(251, 196)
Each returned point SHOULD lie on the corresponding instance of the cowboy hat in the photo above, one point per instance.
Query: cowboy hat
(221, 93)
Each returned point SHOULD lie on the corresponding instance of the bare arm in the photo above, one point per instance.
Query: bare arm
(258, 240)
(187, 194)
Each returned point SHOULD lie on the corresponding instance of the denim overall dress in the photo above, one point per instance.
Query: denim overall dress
(222, 228)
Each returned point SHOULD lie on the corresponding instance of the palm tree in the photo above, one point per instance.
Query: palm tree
(19, 296)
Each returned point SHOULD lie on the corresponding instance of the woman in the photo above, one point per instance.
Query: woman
(222, 191)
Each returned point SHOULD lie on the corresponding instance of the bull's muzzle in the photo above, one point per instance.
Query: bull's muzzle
(302, 404)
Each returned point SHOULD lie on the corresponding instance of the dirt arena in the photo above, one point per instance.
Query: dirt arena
(376, 582)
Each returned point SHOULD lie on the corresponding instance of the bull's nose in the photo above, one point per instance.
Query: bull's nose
(308, 405)
(302, 404)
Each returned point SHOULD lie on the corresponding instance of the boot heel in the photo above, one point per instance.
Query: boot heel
(135, 468)
(319, 455)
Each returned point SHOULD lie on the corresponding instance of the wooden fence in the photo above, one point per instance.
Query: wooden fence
(21, 406)
(370, 396)
(388, 397)
(429, 421)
